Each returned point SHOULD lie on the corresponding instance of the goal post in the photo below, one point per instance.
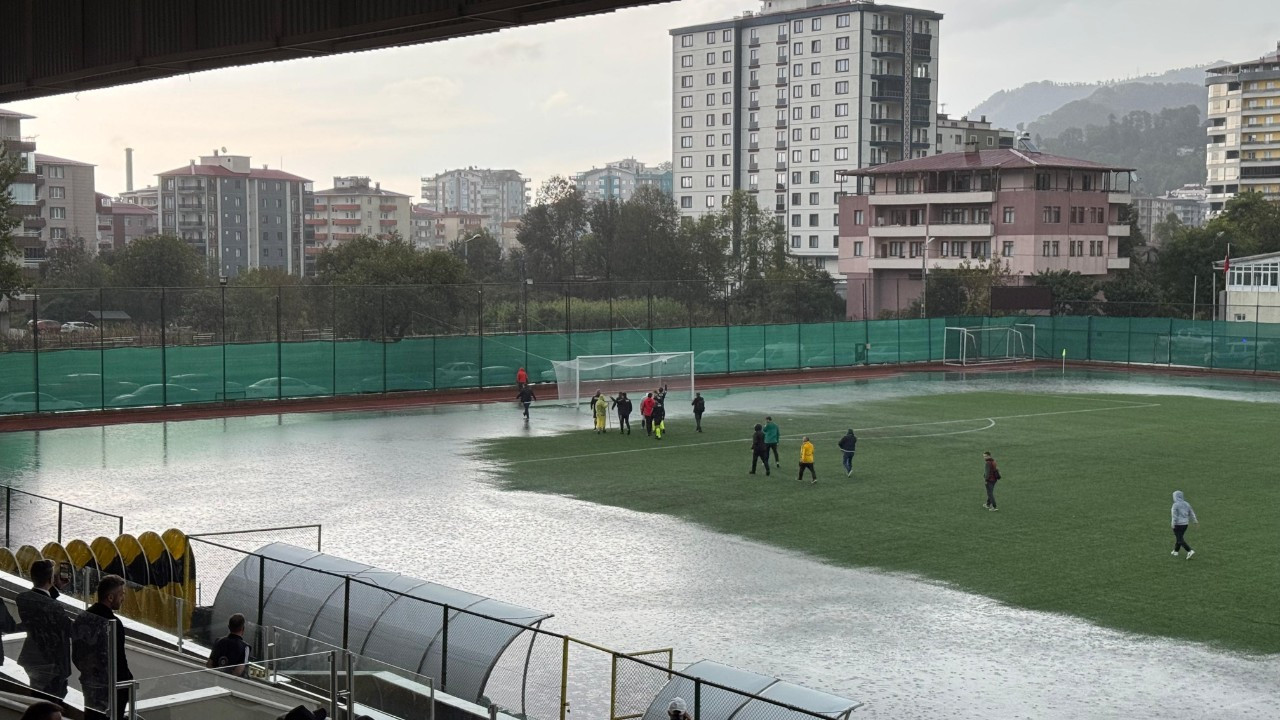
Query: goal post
(988, 345)
(577, 380)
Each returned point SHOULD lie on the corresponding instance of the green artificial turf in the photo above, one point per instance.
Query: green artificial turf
(1083, 525)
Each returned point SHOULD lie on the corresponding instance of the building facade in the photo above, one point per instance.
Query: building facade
(147, 197)
(499, 195)
(620, 180)
(353, 207)
(1252, 294)
(22, 191)
(1031, 210)
(955, 135)
(120, 223)
(237, 216)
(1243, 153)
(775, 103)
(1188, 203)
(69, 204)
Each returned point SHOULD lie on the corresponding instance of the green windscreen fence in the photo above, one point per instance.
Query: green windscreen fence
(251, 357)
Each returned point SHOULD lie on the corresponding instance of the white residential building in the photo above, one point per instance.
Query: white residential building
(1243, 153)
(775, 102)
(500, 195)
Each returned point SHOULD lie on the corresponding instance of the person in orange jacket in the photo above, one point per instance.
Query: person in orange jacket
(806, 460)
(646, 412)
(522, 379)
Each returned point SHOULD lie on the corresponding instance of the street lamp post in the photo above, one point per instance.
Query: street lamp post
(924, 279)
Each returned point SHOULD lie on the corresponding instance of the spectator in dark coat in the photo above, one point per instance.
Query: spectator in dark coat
(89, 649)
(46, 653)
(699, 407)
(759, 450)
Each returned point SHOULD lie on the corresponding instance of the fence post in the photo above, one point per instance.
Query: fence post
(1088, 338)
(279, 350)
(262, 583)
(564, 684)
(8, 508)
(346, 611)
(112, 694)
(382, 322)
(351, 684)
(102, 355)
(480, 333)
(164, 374)
(697, 697)
(133, 699)
(59, 522)
(444, 649)
(333, 339)
(333, 683)
(35, 348)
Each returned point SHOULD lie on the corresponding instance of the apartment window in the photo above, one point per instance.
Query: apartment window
(795, 220)
(711, 79)
(727, 36)
(815, 47)
(842, 153)
(813, 241)
(796, 199)
(711, 58)
(782, 158)
(842, 87)
(686, 41)
(686, 81)
(57, 193)
(1007, 250)
(795, 241)
(1043, 181)
(815, 155)
(711, 99)
(686, 201)
(815, 133)
(815, 90)
(711, 138)
(711, 201)
(842, 21)
(797, 91)
(797, 49)
(726, 138)
(842, 132)
(57, 213)
(842, 109)
(815, 68)
(1049, 248)
(1052, 214)
(797, 70)
(815, 111)
(858, 217)
(813, 198)
(686, 101)
(1075, 248)
(686, 121)
(797, 177)
(725, 159)
(797, 156)
(686, 181)
(726, 98)
(797, 113)
(711, 181)
(711, 161)
(58, 233)
(1008, 214)
(726, 78)
(686, 141)
(797, 26)
(842, 43)
(797, 134)
(1095, 248)
(981, 250)
(814, 177)
(711, 37)
(726, 56)
(686, 161)
(857, 248)
(813, 219)
(686, 61)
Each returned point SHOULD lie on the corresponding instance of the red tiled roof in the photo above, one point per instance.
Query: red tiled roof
(41, 158)
(219, 171)
(360, 191)
(124, 208)
(983, 159)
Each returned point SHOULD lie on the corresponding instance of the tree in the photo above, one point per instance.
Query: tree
(480, 253)
(1248, 225)
(550, 231)
(71, 282)
(11, 279)
(157, 261)
(1133, 292)
(1072, 292)
(966, 290)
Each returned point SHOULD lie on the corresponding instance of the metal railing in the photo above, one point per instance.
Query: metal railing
(31, 519)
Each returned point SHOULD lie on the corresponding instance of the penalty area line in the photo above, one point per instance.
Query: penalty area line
(991, 419)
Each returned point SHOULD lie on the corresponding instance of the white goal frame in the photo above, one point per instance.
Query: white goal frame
(632, 373)
(989, 345)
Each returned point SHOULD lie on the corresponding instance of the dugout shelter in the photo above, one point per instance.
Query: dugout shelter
(714, 702)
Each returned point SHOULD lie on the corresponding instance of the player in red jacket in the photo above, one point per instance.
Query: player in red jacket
(522, 379)
(646, 412)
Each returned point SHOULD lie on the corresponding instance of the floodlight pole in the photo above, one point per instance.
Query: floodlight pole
(924, 279)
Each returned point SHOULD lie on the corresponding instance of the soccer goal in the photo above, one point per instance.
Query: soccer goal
(989, 345)
(579, 379)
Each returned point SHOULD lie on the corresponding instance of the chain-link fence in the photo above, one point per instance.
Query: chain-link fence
(35, 520)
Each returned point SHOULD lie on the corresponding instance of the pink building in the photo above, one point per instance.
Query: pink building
(1032, 210)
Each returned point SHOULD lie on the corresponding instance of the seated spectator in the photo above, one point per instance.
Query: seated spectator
(46, 653)
(302, 713)
(43, 710)
(231, 652)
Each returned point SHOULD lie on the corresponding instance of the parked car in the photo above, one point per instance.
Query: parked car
(157, 394)
(76, 326)
(46, 325)
(283, 387)
(25, 402)
(211, 386)
(459, 374)
(87, 387)
(395, 382)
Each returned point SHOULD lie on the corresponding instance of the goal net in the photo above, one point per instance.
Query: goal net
(577, 380)
(989, 345)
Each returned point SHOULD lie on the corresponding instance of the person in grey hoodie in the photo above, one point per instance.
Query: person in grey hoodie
(1182, 516)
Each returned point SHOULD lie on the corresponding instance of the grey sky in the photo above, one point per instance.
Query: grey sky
(563, 97)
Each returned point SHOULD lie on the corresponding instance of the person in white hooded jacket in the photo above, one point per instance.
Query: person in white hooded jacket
(1182, 515)
(677, 710)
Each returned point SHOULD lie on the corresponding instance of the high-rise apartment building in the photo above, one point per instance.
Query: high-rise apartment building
(354, 206)
(238, 216)
(70, 204)
(775, 102)
(620, 180)
(500, 195)
(1244, 130)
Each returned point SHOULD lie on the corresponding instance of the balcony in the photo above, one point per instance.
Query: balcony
(920, 121)
(886, 121)
(886, 95)
(753, 63)
(780, 124)
(191, 224)
(753, 189)
(315, 222)
(968, 197)
(34, 222)
(754, 105)
(886, 31)
(780, 209)
(780, 145)
(753, 167)
(14, 144)
(886, 142)
(753, 146)
(387, 208)
(346, 222)
(196, 206)
(346, 207)
(891, 54)
(1118, 263)
(922, 39)
(345, 236)
(754, 41)
(922, 51)
(782, 60)
(753, 84)
(921, 79)
(387, 223)
(782, 39)
(961, 230)
(780, 103)
(780, 166)
(1118, 230)
(897, 231)
(322, 236)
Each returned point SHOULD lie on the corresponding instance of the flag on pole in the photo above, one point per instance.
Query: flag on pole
(1226, 264)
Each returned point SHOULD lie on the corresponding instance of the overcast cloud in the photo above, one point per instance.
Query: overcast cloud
(559, 98)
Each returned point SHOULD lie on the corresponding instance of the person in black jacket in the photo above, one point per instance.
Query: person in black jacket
(526, 396)
(622, 404)
(849, 444)
(46, 653)
(759, 451)
(89, 649)
(658, 418)
(699, 407)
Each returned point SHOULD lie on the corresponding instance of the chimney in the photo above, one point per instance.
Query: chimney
(128, 169)
(971, 146)
(215, 152)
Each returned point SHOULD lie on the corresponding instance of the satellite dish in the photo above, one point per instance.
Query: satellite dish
(224, 148)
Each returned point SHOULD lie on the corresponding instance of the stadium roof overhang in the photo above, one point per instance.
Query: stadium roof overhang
(49, 47)
(728, 693)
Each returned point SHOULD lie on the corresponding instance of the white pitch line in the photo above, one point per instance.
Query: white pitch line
(990, 424)
(829, 432)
